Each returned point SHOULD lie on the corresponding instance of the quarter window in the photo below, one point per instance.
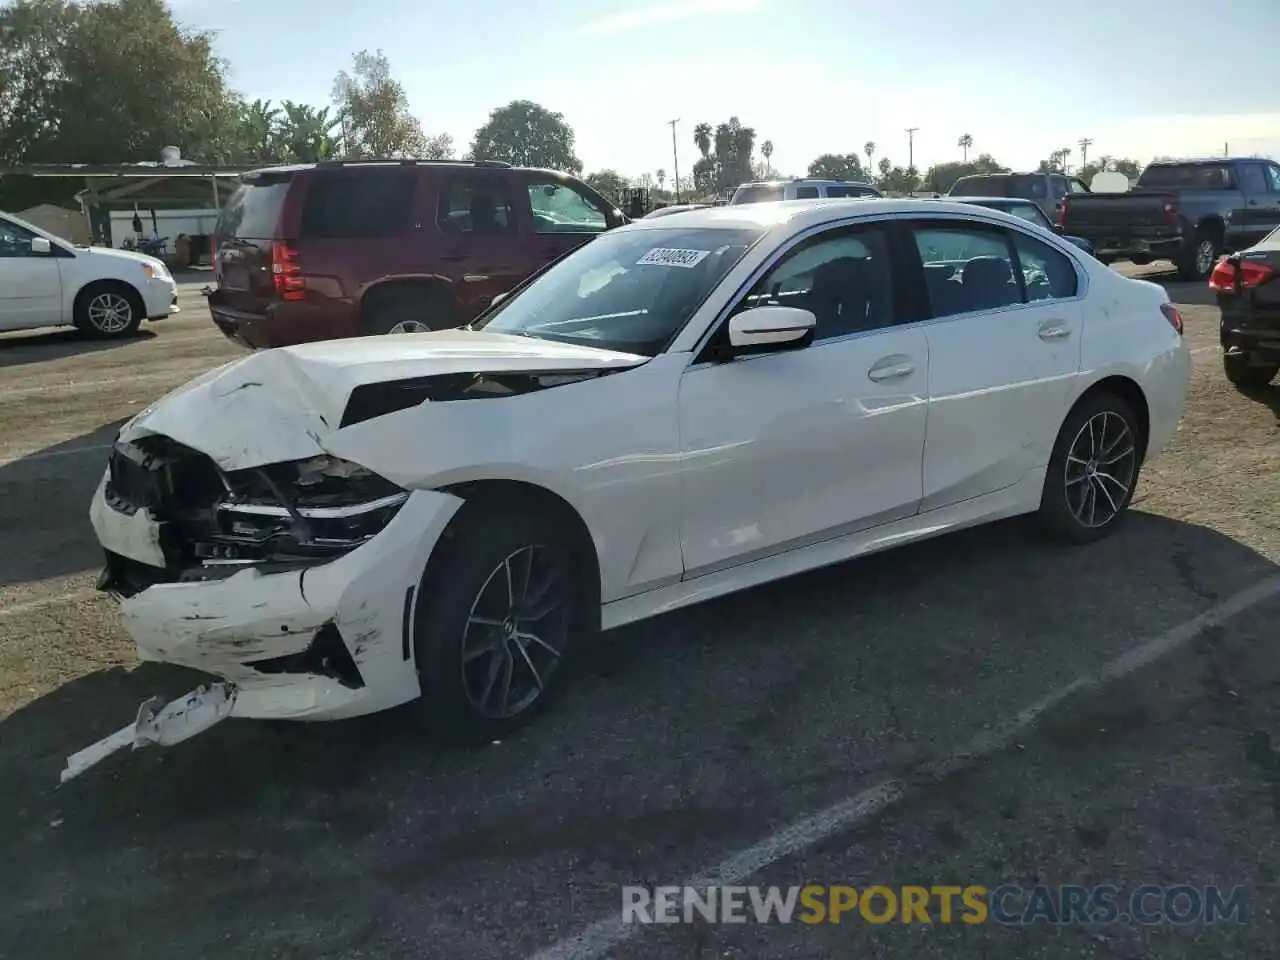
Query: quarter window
(1047, 273)
(1252, 179)
(1273, 177)
(358, 203)
(559, 208)
(475, 206)
(844, 277)
(1075, 186)
(966, 269)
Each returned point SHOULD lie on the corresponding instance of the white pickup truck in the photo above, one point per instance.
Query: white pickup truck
(47, 282)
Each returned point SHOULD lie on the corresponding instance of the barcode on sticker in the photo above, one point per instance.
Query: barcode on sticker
(670, 257)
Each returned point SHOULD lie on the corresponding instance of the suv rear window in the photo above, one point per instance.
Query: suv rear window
(1021, 186)
(253, 212)
(1186, 176)
(359, 203)
(849, 192)
(758, 193)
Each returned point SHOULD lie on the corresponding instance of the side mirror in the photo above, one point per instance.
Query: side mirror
(768, 327)
(499, 298)
(41, 246)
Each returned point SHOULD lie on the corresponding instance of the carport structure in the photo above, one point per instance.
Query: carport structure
(167, 184)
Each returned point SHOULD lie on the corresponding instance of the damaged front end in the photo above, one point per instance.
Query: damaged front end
(209, 524)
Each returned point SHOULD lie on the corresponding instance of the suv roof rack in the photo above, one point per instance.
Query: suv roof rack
(412, 162)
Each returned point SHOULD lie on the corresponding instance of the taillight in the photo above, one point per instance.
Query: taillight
(1248, 273)
(1062, 213)
(286, 274)
(1173, 316)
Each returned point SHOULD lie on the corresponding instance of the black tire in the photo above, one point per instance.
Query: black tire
(1064, 510)
(1246, 375)
(456, 588)
(403, 310)
(108, 310)
(1196, 262)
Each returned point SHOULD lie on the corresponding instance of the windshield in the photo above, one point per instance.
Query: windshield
(759, 193)
(629, 291)
(1187, 176)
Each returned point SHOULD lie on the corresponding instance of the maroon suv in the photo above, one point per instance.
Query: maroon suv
(346, 248)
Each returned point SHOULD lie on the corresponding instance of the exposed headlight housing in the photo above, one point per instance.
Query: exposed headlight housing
(307, 511)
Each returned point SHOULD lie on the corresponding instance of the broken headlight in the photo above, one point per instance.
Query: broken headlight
(302, 512)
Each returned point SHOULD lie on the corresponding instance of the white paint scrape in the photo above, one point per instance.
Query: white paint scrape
(597, 940)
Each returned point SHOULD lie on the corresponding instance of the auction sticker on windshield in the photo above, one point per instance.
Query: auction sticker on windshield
(670, 257)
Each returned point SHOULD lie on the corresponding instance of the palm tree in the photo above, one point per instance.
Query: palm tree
(308, 133)
(1066, 152)
(702, 137)
(261, 120)
(964, 143)
(662, 179)
(869, 148)
(766, 149)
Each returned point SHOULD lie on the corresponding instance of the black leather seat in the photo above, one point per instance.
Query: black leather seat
(841, 296)
(988, 283)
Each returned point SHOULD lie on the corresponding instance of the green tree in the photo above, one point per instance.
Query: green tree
(375, 111)
(307, 134)
(260, 130)
(702, 139)
(609, 183)
(942, 176)
(766, 150)
(964, 143)
(527, 134)
(869, 148)
(837, 166)
(897, 180)
(1130, 168)
(109, 82)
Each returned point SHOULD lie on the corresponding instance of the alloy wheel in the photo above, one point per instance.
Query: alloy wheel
(1205, 253)
(409, 326)
(110, 313)
(1102, 464)
(516, 632)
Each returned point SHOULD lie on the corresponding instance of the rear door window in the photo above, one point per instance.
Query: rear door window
(806, 193)
(758, 193)
(253, 212)
(968, 267)
(475, 204)
(358, 203)
(1252, 178)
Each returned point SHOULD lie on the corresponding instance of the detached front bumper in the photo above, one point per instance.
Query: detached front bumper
(324, 642)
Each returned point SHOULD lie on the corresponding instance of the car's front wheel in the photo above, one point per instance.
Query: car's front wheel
(499, 610)
(1093, 470)
(108, 310)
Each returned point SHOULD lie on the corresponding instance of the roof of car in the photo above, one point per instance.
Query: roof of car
(800, 214)
(993, 201)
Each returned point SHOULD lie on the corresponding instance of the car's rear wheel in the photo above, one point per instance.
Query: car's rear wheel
(1093, 470)
(410, 311)
(1247, 375)
(499, 610)
(108, 310)
(1197, 261)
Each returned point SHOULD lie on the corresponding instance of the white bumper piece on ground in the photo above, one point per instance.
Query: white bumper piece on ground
(161, 724)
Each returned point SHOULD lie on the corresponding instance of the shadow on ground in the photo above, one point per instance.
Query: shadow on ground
(39, 346)
(38, 493)
(678, 739)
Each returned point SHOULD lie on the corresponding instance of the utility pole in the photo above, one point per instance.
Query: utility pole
(675, 157)
(911, 147)
(1085, 143)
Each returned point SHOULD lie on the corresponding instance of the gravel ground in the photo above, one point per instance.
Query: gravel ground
(685, 739)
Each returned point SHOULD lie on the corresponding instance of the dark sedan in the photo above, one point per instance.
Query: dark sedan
(1027, 210)
(1247, 284)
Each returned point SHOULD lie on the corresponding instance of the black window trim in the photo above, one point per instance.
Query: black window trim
(446, 184)
(897, 224)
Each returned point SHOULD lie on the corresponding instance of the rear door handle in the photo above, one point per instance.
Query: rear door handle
(1054, 330)
(893, 367)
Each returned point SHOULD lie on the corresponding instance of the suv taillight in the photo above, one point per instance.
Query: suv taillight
(1250, 274)
(1173, 316)
(286, 274)
(1062, 213)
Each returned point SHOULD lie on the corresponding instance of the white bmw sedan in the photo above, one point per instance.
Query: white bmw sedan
(683, 407)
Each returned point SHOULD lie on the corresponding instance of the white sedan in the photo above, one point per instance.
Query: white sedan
(47, 282)
(682, 408)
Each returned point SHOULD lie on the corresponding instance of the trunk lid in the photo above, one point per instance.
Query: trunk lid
(1094, 211)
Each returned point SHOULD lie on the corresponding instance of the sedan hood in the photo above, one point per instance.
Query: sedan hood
(114, 254)
(278, 405)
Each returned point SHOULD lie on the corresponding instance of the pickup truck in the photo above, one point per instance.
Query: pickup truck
(1187, 211)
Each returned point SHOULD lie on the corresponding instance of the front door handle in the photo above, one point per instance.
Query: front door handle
(1054, 330)
(894, 367)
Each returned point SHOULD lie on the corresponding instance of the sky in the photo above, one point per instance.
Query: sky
(812, 76)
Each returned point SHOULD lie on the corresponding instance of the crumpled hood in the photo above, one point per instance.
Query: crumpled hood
(278, 405)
